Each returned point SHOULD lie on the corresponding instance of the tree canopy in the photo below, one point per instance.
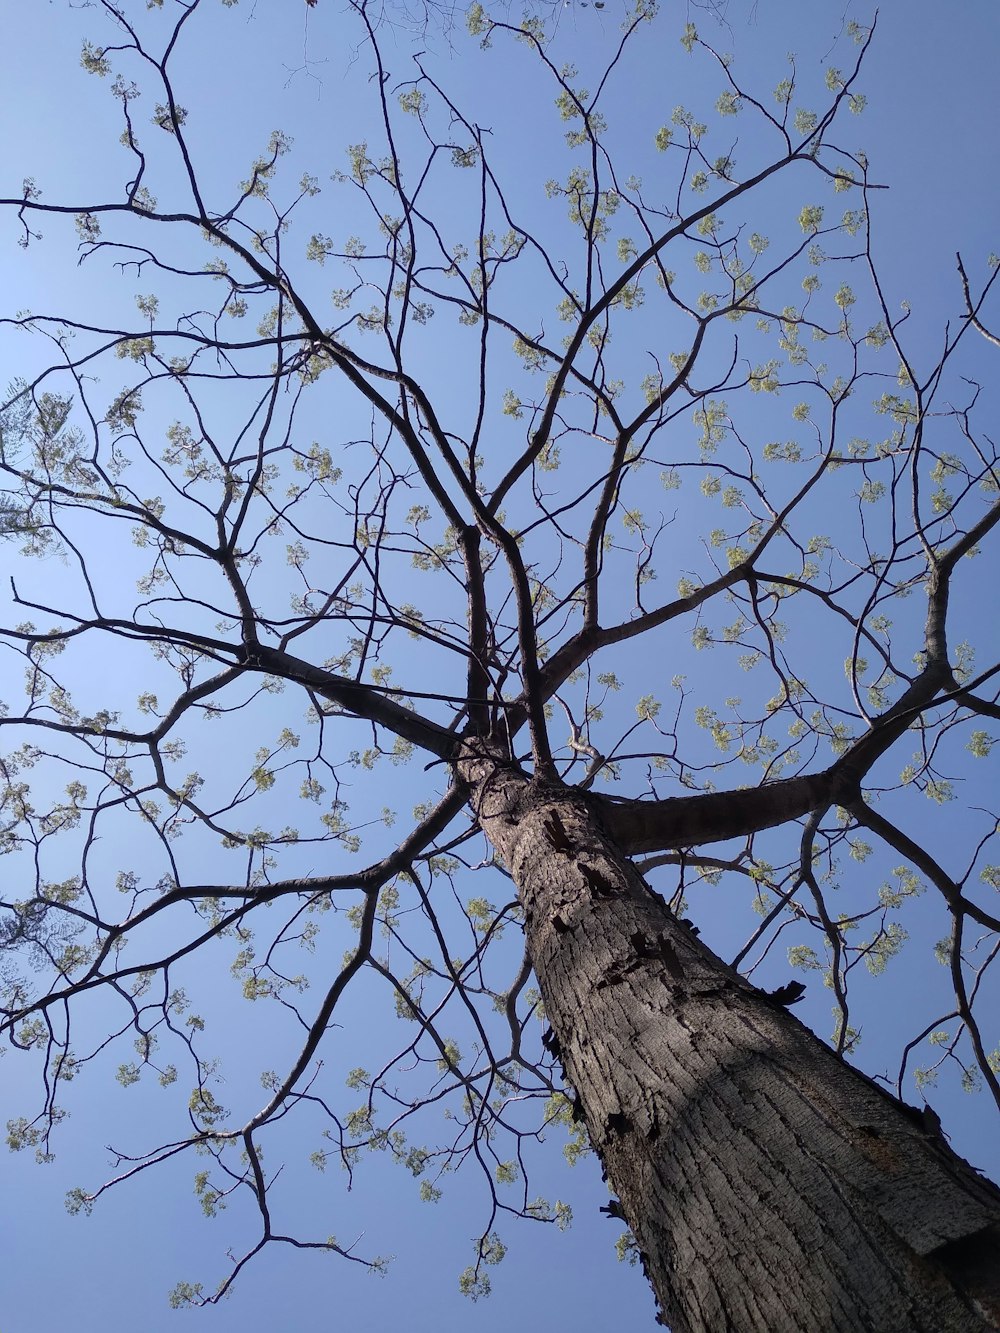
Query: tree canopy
(550, 392)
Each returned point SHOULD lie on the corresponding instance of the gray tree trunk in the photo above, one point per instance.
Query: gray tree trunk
(769, 1185)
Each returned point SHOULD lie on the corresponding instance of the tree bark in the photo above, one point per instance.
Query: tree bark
(769, 1185)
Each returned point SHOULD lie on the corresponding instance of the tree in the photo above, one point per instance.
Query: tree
(250, 523)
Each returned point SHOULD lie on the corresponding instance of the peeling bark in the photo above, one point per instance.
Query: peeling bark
(768, 1184)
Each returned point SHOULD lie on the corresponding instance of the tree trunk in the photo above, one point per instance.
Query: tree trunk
(769, 1185)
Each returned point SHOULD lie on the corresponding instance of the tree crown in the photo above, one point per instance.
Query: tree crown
(615, 454)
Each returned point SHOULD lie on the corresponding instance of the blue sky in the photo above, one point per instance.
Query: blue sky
(933, 104)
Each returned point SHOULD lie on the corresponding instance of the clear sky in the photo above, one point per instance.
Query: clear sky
(928, 130)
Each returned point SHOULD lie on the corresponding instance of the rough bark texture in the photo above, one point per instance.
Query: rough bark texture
(768, 1184)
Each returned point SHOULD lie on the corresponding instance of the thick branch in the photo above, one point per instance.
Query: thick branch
(690, 821)
(357, 699)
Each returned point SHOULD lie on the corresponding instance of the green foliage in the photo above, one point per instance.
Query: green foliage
(803, 958)
(186, 1294)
